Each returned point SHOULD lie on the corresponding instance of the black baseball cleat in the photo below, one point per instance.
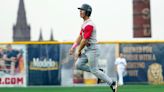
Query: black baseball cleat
(99, 80)
(114, 86)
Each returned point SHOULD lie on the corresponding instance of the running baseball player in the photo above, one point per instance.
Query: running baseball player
(88, 50)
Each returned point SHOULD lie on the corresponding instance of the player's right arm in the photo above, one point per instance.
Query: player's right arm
(76, 43)
(116, 65)
(9, 59)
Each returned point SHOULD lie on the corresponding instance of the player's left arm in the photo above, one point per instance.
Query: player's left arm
(125, 64)
(19, 55)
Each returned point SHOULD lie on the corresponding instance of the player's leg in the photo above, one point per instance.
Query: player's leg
(99, 80)
(12, 68)
(93, 65)
(120, 76)
(81, 63)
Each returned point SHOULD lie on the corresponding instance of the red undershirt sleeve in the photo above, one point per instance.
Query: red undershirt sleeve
(88, 31)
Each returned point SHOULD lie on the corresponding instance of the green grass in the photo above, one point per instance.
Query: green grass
(126, 88)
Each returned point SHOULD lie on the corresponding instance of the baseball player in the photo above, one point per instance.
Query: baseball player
(120, 68)
(88, 51)
(11, 59)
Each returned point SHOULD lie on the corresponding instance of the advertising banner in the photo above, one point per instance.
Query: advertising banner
(12, 65)
(43, 65)
(145, 62)
(141, 18)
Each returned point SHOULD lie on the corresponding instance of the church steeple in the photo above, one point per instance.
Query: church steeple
(40, 35)
(21, 18)
(51, 36)
(21, 31)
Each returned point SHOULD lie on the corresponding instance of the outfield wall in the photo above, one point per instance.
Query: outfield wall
(49, 63)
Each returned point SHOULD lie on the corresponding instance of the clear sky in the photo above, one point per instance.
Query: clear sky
(113, 18)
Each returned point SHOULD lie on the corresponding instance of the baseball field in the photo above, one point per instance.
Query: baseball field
(126, 88)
